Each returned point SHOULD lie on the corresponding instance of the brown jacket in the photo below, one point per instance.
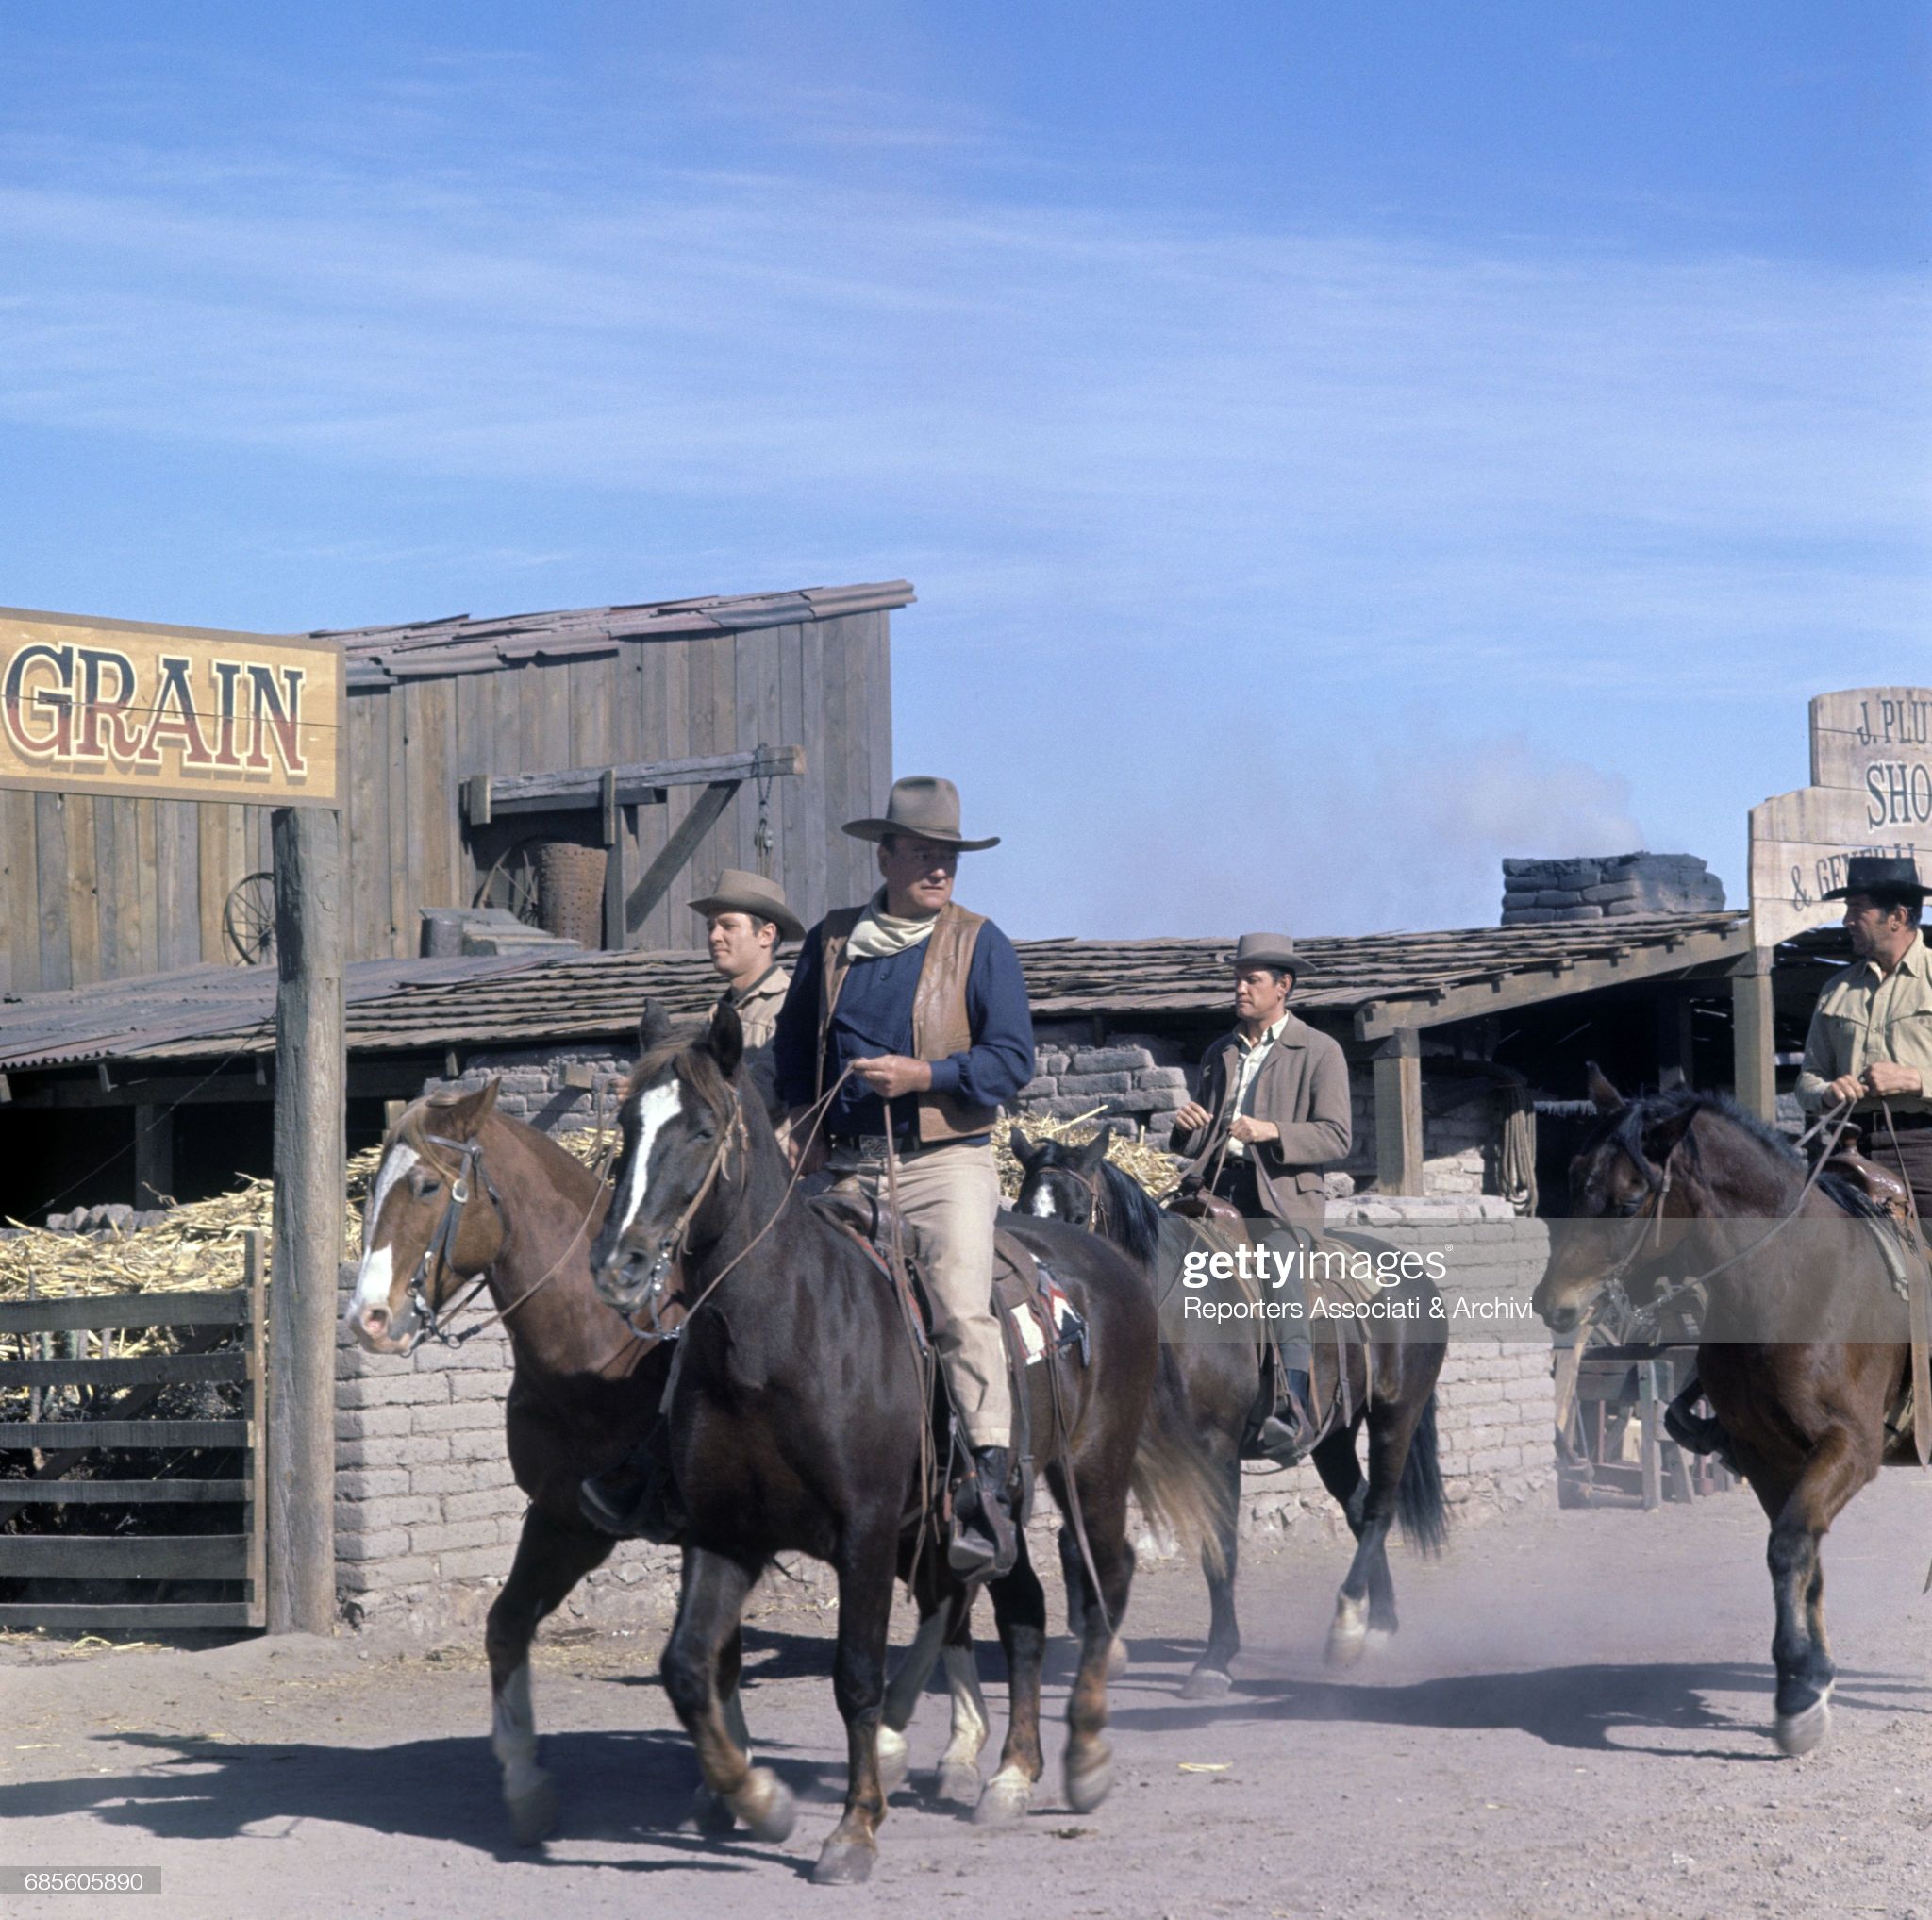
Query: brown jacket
(940, 1024)
(1302, 1087)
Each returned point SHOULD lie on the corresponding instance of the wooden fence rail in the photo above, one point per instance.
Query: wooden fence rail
(234, 1324)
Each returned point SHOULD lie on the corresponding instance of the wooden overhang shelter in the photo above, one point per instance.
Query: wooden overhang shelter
(1534, 1000)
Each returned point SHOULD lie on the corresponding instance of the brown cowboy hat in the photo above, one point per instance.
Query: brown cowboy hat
(737, 892)
(1880, 872)
(1274, 950)
(924, 808)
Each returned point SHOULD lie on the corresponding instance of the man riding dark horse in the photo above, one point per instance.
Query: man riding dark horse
(1273, 1111)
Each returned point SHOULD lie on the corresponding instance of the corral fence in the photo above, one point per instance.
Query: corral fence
(114, 1478)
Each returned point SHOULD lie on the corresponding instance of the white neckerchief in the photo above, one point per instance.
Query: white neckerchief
(879, 933)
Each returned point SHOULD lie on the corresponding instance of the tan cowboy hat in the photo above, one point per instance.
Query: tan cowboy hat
(1274, 950)
(737, 892)
(923, 806)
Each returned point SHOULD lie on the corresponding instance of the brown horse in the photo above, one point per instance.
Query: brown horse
(1392, 1387)
(800, 1416)
(462, 1192)
(1711, 1193)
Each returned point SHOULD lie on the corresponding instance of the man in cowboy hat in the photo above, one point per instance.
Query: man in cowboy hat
(924, 1004)
(745, 918)
(1273, 1112)
(1871, 1039)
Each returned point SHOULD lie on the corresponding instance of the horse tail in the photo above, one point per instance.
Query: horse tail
(1178, 1485)
(1419, 1502)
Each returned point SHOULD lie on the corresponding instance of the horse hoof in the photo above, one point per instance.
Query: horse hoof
(1805, 1733)
(1344, 1649)
(533, 1815)
(1007, 1795)
(765, 1805)
(708, 1814)
(1116, 1658)
(844, 1864)
(893, 1759)
(1090, 1779)
(1207, 1683)
(1380, 1639)
(958, 1784)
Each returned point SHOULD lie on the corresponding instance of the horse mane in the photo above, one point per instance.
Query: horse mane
(1132, 1215)
(1626, 1128)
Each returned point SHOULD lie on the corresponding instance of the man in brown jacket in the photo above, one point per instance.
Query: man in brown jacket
(1273, 1112)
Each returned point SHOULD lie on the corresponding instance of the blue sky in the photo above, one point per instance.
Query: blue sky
(1335, 447)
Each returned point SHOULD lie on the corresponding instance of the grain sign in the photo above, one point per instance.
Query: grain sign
(1871, 791)
(172, 713)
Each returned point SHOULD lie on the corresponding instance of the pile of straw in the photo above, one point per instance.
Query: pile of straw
(1155, 1170)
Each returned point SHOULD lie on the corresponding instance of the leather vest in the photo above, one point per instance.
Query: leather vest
(940, 1024)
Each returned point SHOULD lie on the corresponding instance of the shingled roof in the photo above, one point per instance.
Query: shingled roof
(1372, 983)
(378, 656)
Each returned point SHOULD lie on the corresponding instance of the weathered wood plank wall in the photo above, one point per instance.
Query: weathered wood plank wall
(94, 889)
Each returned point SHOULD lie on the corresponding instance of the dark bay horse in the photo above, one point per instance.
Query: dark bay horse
(509, 1205)
(1804, 1345)
(800, 1419)
(1392, 1387)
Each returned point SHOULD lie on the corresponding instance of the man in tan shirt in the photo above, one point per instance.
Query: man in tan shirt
(745, 918)
(1871, 1039)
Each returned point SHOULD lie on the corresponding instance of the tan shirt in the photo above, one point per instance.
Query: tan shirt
(757, 1011)
(1253, 1053)
(1865, 1016)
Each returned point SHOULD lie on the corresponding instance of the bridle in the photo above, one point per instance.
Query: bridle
(1091, 1182)
(436, 1256)
(671, 1247)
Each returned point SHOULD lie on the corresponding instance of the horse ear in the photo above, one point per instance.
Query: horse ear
(1661, 1141)
(1604, 1096)
(1023, 1149)
(1089, 1155)
(469, 1111)
(654, 1029)
(724, 1038)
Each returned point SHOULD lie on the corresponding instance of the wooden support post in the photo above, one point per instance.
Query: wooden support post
(154, 1156)
(309, 1155)
(1754, 1060)
(1650, 1446)
(1399, 1113)
(1672, 1042)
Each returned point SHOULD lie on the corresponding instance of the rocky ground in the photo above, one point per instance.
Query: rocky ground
(1573, 1721)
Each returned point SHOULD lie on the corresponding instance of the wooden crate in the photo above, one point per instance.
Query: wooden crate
(223, 1335)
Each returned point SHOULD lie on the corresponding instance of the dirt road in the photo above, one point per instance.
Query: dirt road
(1574, 1721)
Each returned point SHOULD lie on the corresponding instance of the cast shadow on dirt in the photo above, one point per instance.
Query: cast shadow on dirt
(626, 1788)
(1576, 1708)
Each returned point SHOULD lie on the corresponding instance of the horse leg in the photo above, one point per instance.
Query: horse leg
(708, 1814)
(1087, 1766)
(1210, 1679)
(945, 1627)
(859, 1683)
(707, 1616)
(1076, 1589)
(1836, 1469)
(550, 1559)
(957, 1783)
(1019, 1606)
(1366, 1602)
(1342, 1474)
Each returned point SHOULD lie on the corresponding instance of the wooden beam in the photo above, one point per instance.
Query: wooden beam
(1380, 1018)
(125, 1370)
(641, 783)
(659, 875)
(1674, 1045)
(95, 1310)
(121, 1619)
(1754, 1062)
(310, 1153)
(124, 1555)
(124, 1492)
(154, 1156)
(80, 1436)
(1398, 1072)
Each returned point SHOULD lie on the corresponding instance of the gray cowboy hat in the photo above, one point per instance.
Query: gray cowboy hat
(1274, 950)
(1880, 872)
(737, 892)
(925, 807)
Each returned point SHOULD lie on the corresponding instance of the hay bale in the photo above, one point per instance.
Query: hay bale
(1155, 1171)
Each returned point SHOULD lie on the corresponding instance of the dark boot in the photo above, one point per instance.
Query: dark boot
(1697, 1432)
(1290, 1430)
(985, 1542)
(637, 1499)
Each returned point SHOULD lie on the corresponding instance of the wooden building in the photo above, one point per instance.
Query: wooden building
(445, 714)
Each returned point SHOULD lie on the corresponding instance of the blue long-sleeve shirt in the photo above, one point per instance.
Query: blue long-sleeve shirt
(874, 1016)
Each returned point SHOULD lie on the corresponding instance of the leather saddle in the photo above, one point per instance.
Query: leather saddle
(1884, 1190)
(1202, 1204)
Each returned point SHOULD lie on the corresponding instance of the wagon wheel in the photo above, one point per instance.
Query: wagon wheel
(248, 919)
(513, 881)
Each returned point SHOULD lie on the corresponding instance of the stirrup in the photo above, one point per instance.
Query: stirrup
(647, 1510)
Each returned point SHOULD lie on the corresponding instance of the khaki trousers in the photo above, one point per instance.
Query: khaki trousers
(952, 1194)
